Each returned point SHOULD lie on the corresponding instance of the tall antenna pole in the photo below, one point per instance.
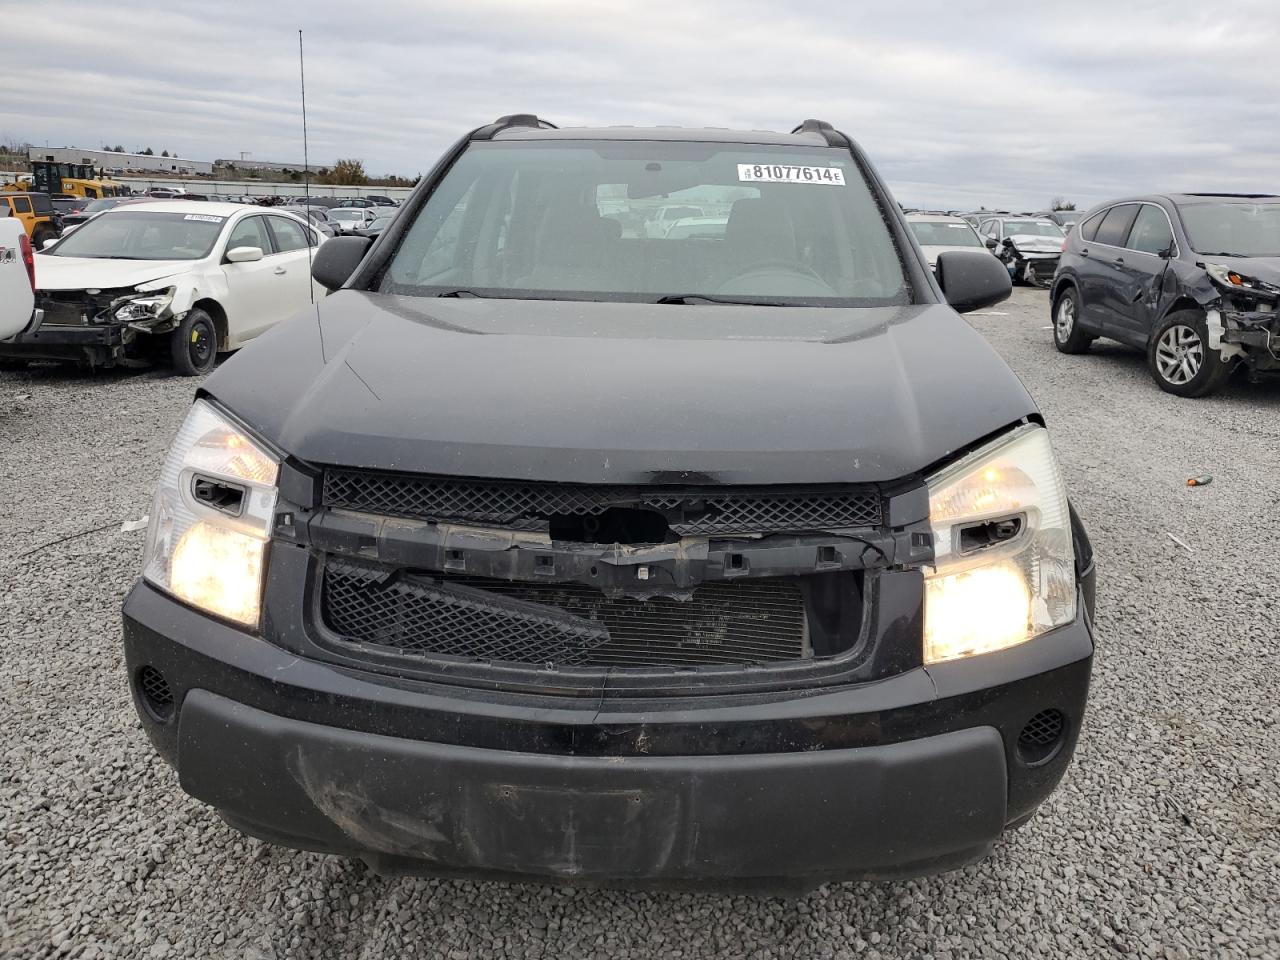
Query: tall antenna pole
(306, 167)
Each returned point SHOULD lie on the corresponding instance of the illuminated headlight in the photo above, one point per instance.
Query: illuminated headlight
(144, 306)
(211, 518)
(1004, 566)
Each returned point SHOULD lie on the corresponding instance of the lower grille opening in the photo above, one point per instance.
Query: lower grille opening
(567, 624)
(155, 691)
(1042, 736)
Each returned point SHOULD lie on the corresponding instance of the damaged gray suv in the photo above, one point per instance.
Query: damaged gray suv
(548, 548)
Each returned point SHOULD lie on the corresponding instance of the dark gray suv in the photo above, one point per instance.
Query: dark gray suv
(544, 547)
(1192, 279)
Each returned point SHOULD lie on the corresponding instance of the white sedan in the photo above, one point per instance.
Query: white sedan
(182, 280)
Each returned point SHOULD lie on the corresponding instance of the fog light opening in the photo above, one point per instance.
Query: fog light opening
(155, 692)
(1042, 737)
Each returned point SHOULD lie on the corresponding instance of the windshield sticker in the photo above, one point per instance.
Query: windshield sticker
(203, 218)
(786, 173)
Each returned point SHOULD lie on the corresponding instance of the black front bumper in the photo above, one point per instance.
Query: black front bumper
(98, 344)
(913, 774)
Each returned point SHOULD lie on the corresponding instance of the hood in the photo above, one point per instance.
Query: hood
(1266, 269)
(622, 392)
(1029, 243)
(931, 250)
(82, 273)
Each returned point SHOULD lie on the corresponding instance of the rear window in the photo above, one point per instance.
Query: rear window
(779, 224)
(1115, 224)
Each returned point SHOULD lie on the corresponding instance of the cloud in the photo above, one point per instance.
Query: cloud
(958, 104)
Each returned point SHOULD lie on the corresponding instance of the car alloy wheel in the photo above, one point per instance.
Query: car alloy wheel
(1179, 354)
(1065, 321)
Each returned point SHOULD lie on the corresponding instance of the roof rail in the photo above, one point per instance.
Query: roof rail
(512, 120)
(828, 133)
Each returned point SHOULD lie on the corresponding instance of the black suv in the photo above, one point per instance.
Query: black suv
(546, 548)
(1192, 279)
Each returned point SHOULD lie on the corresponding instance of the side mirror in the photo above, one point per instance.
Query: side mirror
(48, 242)
(972, 280)
(336, 260)
(244, 254)
(991, 243)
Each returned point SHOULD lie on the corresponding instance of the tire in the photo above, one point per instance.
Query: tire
(1068, 337)
(1180, 358)
(193, 346)
(40, 235)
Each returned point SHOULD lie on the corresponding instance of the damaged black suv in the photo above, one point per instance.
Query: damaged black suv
(565, 540)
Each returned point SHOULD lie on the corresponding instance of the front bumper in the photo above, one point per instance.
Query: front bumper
(909, 775)
(98, 344)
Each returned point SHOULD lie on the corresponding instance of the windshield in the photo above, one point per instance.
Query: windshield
(348, 213)
(97, 206)
(590, 221)
(944, 233)
(380, 223)
(1032, 228)
(125, 234)
(1233, 229)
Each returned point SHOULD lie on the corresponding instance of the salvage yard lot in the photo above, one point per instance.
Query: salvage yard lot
(1164, 841)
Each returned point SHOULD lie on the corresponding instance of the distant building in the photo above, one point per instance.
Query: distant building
(125, 162)
(248, 166)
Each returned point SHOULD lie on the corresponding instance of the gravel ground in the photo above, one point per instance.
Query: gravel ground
(1164, 840)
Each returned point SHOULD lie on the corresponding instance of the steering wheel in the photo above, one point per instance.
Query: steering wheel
(773, 267)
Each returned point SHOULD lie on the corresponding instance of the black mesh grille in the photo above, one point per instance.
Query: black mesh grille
(1041, 737)
(566, 624)
(688, 511)
(155, 692)
(1042, 729)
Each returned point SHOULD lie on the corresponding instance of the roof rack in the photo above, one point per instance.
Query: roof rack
(512, 120)
(825, 130)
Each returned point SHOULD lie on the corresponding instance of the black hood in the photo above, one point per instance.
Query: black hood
(622, 392)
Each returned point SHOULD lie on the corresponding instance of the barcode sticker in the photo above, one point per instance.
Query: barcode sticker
(789, 173)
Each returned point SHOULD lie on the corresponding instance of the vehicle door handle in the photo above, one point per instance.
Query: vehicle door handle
(1119, 259)
(279, 270)
(1084, 251)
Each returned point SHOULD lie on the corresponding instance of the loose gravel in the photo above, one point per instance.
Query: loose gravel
(1164, 840)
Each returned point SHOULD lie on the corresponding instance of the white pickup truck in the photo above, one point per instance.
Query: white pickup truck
(17, 278)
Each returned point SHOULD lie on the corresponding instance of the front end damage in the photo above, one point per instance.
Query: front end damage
(1242, 315)
(542, 579)
(1029, 261)
(104, 327)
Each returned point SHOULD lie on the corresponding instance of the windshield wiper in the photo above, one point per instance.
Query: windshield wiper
(457, 293)
(690, 298)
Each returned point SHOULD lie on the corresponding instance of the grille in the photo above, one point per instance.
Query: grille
(155, 692)
(1040, 737)
(563, 624)
(74, 307)
(688, 511)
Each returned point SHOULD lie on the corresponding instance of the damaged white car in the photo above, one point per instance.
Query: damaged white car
(1029, 247)
(173, 281)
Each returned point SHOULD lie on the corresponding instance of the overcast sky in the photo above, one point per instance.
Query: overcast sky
(959, 104)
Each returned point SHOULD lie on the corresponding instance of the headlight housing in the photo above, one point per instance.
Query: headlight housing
(211, 517)
(1239, 283)
(144, 306)
(1004, 564)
